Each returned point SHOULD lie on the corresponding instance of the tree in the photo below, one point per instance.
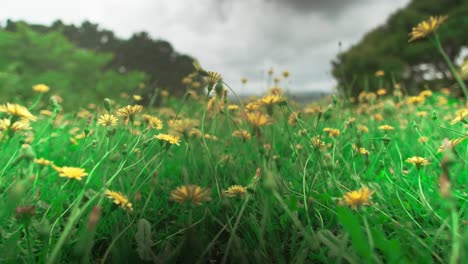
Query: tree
(386, 48)
(80, 76)
(157, 58)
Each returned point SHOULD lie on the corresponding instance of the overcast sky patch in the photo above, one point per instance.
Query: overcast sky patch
(242, 38)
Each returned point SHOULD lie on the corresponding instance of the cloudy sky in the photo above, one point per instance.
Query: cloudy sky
(237, 38)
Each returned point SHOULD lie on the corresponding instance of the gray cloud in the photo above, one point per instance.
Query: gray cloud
(242, 38)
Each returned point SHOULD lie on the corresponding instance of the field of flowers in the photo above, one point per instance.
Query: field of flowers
(380, 178)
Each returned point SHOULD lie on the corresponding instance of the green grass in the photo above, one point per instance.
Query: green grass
(291, 212)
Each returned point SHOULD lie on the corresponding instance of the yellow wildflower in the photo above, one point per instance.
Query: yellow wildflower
(41, 88)
(190, 193)
(379, 73)
(332, 132)
(425, 28)
(357, 198)
(18, 111)
(168, 138)
(386, 128)
(242, 134)
(460, 116)
(418, 161)
(236, 190)
(119, 200)
(107, 120)
(129, 112)
(71, 172)
(258, 119)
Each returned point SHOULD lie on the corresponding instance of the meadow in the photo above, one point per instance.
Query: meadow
(377, 178)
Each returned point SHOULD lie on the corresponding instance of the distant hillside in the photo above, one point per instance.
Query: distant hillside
(164, 66)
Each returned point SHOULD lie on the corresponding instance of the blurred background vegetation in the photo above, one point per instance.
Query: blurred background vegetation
(85, 64)
(412, 64)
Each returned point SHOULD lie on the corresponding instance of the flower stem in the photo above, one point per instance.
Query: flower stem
(455, 75)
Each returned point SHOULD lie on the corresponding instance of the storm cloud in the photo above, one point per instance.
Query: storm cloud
(241, 38)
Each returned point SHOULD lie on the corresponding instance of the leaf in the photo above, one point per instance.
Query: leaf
(143, 239)
(351, 225)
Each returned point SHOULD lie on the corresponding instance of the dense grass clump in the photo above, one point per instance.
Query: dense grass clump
(202, 179)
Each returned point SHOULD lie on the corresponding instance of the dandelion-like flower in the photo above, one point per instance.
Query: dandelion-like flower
(317, 143)
(18, 111)
(258, 119)
(153, 122)
(418, 161)
(460, 117)
(242, 134)
(236, 190)
(168, 138)
(379, 73)
(119, 199)
(107, 120)
(137, 97)
(332, 132)
(271, 100)
(129, 112)
(386, 128)
(71, 172)
(426, 27)
(453, 143)
(40, 88)
(193, 194)
(213, 78)
(357, 198)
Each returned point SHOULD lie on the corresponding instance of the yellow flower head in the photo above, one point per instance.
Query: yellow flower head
(357, 198)
(107, 120)
(18, 111)
(332, 132)
(71, 172)
(453, 143)
(213, 78)
(244, 80)
(242, 134)
(460, 116)
(251, 107)
(236, 190)
(190, 193)
(168, 138)
(137, 97)
(317, 143)
(286, 74)
(129, 112)
(386, 128)
(41, 88)
(418, 161)
(423, 139)
(363, 128)
(381, 91)
(119, 199)
(153, 122)
(258, 119)
(379, 73)
(426, 27)
(270, 100)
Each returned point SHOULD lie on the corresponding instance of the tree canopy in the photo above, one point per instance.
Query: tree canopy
(412, 64)
(79, 76)
(157, 58)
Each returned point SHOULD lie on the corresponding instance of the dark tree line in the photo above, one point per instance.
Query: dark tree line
(157, 58)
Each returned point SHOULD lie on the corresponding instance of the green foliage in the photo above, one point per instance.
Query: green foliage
(386, 48)
(156, 58)
(79, 76)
